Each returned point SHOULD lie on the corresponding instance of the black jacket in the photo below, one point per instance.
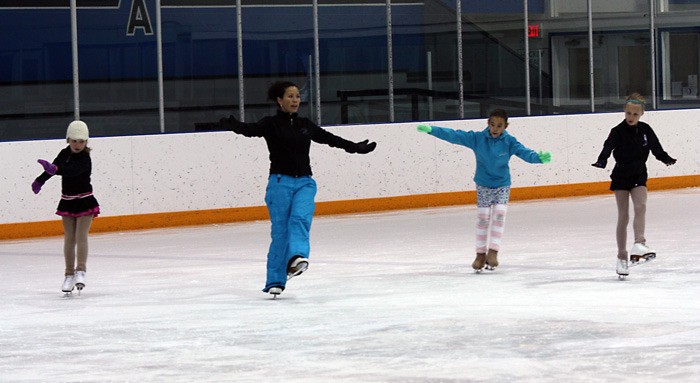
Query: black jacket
(630, 146)
(288, 138)
(75, 169)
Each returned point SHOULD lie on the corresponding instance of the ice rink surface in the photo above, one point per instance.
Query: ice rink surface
(388, 297)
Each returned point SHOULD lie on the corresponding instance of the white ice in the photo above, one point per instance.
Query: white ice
(388, 297)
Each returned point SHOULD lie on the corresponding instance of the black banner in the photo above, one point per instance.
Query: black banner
(29, 4)
(39, 4)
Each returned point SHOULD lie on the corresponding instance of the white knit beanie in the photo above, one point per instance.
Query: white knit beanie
(77, 130)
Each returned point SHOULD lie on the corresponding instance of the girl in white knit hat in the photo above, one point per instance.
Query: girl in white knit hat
(77, 206)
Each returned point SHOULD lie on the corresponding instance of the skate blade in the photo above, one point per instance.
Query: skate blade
(490, 268)
(298, 272)
(622, 277)
(274, 293)
(643, 259)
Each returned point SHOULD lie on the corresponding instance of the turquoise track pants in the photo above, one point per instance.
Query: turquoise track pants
(290, 202)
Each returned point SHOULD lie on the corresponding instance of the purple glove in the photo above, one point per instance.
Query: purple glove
(36, 187)
(48, 166)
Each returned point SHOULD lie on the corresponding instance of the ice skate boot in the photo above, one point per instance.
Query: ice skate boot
(640, 253)
(622, 269)
(479, 262)
(68, 284)
(79, 280)
(275, 291)
(491, 259)
(297, 266)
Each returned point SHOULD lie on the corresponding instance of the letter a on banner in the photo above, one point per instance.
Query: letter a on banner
(138, 18)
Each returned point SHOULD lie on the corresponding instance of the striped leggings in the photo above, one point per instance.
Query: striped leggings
(492, 205)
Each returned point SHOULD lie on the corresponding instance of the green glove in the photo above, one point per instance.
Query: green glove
(544, 156)
(425, 128)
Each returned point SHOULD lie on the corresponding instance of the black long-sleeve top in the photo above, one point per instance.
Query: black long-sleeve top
(630, 146)
(75, 169)
(288, 138)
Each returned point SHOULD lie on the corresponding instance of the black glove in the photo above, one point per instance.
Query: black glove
(599, 165)
(363, 147)
(229, 123)
(670, 161)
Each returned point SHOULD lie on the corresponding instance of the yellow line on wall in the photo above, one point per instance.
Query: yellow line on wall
(214, 216)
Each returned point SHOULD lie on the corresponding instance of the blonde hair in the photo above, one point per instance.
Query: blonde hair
(636, 98)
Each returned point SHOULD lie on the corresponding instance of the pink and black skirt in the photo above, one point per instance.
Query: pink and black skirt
(79, 205)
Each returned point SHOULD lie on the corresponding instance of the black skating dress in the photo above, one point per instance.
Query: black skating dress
(76, 191)
(630, 146)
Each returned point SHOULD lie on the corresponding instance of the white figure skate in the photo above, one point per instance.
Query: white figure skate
(298, 266)
(622, 269)
(641, 253)
(68, 284)
(79, 280)
(275, 291)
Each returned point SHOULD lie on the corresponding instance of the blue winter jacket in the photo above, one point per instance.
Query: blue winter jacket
(492, 154)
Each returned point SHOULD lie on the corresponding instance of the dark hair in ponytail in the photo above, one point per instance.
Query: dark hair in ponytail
(277, 90)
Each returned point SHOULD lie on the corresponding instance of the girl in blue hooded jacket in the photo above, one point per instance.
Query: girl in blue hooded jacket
(493, 148)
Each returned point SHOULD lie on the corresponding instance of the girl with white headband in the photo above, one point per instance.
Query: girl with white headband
(630, 143)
